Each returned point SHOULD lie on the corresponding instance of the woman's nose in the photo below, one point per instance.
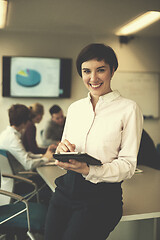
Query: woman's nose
(93, 76)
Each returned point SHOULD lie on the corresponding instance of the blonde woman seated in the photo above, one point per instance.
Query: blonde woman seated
(29, 135)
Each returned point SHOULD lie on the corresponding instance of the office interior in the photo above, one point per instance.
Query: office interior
(47, 28)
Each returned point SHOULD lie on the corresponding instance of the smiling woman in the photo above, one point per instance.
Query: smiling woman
(96, 76)
(87, 203)
(97, 67)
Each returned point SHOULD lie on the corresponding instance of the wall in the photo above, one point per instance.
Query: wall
(27, 44)
(141, 54)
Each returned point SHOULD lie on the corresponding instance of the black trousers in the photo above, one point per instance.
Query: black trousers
(91, 218)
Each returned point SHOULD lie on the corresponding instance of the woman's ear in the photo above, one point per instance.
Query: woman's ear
(112, 72)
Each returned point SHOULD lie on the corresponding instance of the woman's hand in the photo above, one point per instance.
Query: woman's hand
(65, 146)
(73, 165)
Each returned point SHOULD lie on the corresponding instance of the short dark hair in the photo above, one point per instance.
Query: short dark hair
(18, 114)
(54, 109)
(97, 51)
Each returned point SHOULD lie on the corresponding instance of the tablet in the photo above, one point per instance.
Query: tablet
(81, 157)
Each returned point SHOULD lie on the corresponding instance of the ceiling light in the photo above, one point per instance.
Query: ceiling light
(3, 13)
(139, 23)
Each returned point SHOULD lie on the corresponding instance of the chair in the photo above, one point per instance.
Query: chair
(10, 184)
(158, 148)
(21, 217)
(43, 141)
(10, 165)
(148, 154)
(7, 183)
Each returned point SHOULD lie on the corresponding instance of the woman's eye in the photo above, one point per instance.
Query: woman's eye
(86, 71)
(101, 70)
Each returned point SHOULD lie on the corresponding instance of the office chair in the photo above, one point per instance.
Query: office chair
(148, 154)
(10, 165)
(21, 217)
(43, 141)
(158, 148)
(11, 184)
(5, 183)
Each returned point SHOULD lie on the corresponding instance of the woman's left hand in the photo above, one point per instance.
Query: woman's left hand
(73, 165)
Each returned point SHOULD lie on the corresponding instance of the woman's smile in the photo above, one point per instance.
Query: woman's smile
(96, 76)
(95, 86)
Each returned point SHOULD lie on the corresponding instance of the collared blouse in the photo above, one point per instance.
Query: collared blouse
(111, 134)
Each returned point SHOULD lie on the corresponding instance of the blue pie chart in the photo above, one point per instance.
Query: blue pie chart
(28, 78)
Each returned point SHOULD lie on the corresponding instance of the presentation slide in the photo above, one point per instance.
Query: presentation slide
(37, 77)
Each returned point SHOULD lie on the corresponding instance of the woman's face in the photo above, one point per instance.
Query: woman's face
(97, 76)
(37, 118)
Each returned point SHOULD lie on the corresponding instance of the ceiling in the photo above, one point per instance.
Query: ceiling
(96, 17)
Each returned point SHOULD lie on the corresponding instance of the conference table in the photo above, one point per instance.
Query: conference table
(141, 193)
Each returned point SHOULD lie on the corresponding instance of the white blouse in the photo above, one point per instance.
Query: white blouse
(111, 134)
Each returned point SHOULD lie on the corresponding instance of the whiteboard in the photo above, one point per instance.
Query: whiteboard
(141, 87)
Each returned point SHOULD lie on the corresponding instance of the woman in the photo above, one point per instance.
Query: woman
(29, 136)
(87, 203)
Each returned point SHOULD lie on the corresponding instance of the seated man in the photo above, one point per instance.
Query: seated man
(19, 158)
(148, 154)
(10, 140)
(53, 130)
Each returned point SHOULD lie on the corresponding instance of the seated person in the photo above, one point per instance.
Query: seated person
(29, 135)
(148, 154)
(10, 140)
(53, 130)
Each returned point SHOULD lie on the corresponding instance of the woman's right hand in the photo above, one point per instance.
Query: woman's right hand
(65, 146)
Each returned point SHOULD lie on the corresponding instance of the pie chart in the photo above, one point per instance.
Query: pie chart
(28, 78)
